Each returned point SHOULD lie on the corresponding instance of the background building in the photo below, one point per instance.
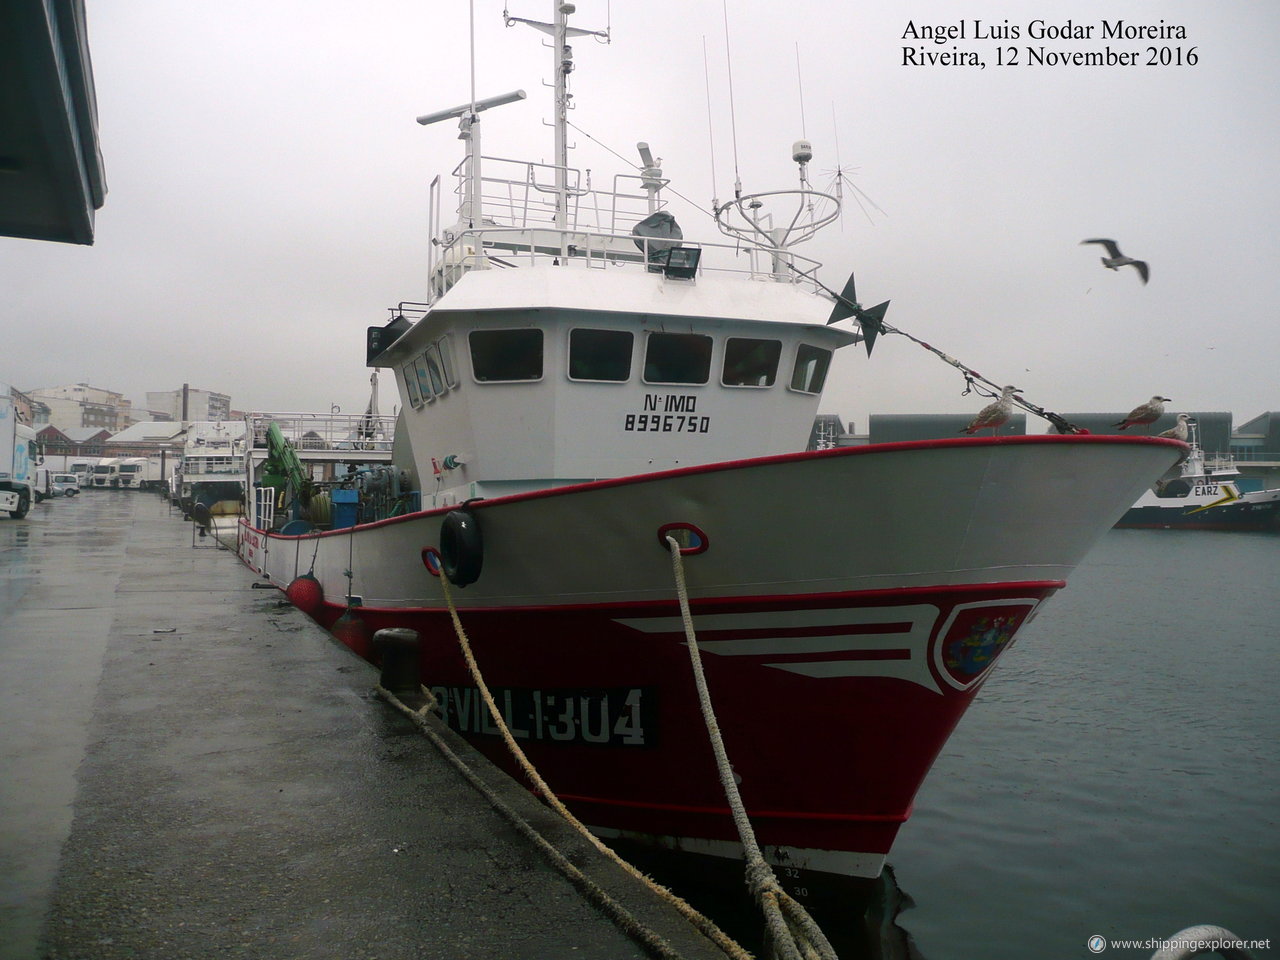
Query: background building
(73, 442)
(80, 405)
(1254, 447)
(189, 403)
(896, 427)
(28, 411)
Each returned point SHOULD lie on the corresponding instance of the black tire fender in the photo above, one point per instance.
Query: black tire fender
(461, 548)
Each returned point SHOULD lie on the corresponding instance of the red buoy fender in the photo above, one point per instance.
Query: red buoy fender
(306, 593)
(351, 629)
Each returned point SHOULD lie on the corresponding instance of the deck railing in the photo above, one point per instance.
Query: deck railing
(325, 431)
(518, 226)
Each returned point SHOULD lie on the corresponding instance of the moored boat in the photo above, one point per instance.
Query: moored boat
(1205, 494)
(581, 384)
(212, 472)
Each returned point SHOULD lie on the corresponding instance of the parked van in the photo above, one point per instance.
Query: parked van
(43, 483)
(65, 485)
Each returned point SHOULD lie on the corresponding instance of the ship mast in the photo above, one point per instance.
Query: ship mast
(563, 67)
(560, 32)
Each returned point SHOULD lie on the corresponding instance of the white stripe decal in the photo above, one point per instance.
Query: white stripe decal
(914, 667)
(831, 643)
(783, 618)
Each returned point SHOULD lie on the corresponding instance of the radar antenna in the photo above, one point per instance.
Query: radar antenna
(650, 176)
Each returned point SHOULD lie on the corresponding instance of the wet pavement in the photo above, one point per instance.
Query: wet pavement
(192, 769)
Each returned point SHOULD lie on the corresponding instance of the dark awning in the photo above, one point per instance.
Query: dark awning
(51, 176)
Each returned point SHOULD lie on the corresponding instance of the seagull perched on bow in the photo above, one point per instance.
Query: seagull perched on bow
(1116, 260)
(1179, 430)
(993, 414)
(1149, 412)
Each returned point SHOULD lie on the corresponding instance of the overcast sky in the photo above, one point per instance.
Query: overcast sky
(267, 187)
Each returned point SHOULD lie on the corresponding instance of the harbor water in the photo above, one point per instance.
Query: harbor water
(1116, 776)
(1119, 773)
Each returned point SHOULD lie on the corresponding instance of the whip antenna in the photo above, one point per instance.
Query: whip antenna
(733, 118)
(800, 86)
(711, 130)
(473, 56)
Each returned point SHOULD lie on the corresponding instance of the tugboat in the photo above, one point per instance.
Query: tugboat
(583, 392)
(1202, 494)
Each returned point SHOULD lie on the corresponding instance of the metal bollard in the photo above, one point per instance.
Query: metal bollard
(397, 647)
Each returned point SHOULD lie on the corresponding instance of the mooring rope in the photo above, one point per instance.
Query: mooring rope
(973, 377)
(793, 934)
(651, 940)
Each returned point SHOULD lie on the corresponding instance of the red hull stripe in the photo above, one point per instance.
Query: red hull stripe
(748, 603)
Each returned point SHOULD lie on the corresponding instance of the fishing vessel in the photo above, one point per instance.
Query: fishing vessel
(1205, 493)
(583, 391)
(212, 470)
(308, 471)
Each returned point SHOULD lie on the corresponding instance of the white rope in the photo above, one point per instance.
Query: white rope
(655, 944)
(793, 934)
(708, 929)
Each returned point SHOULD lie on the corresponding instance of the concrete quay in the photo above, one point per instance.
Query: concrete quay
(193, 769)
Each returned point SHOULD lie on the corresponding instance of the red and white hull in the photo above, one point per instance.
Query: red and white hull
(848, 604)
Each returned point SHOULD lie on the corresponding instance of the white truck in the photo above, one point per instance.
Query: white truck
(82, 467)
(106, 472)
(19, 458)
(139, 473)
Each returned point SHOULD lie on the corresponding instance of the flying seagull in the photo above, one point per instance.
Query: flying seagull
(1178, 431)
(1116, 260)
(1149, 412)
(993, 414)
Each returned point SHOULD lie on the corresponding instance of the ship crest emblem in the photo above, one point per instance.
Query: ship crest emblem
(974, 638)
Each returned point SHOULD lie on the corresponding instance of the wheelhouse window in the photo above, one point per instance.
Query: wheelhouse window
(600, 355)
(1170, 489)
(750, 363)
(445, 346)
(411, 384)
(506, 355)
(810, 371)
(677, 358)
(424, 379)
(432, 357)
